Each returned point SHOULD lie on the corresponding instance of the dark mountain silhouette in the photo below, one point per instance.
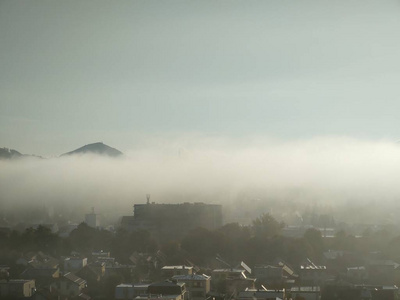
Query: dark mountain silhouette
(96, 148)
(6, 153)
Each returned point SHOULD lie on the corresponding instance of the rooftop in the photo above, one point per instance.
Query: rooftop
(191, 277)
(72, 277)
(167, 283)
(16, 281)
(228, 271)
(176, 267)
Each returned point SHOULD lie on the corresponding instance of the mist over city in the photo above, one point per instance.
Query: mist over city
(328, 172)
(210, 150)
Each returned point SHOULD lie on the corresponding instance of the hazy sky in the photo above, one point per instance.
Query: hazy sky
(76, 72)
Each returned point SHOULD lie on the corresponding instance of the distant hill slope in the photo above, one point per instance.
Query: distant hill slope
(96, 148)
(6, 153)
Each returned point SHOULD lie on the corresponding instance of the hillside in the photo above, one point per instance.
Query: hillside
(96, 148)
(6, 153)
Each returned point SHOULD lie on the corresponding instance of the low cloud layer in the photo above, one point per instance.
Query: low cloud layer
(330, 169)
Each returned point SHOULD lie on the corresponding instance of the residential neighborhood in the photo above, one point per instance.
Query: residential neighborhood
(231, 261)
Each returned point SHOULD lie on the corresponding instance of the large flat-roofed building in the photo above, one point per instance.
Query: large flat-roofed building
(177, 218)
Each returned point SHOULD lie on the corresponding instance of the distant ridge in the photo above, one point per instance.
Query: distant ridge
(6, 153)
(96, 148)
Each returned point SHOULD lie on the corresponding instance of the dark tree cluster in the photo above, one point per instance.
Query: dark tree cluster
(258, 243)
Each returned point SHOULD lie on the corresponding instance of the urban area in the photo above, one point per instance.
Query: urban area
(186, 251)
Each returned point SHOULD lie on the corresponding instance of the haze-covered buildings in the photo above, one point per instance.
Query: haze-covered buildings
(173, 218)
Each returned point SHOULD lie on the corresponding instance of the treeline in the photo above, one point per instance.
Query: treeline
(258, 243)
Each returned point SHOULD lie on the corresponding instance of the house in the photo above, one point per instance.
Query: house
(26, 258)
(69, 285)
(43, 294)
(312, 275)
(158, 297)
(43, 276)
(197, 286)
(359, 292)
(382, 272)
(124, 291)
(357, 274)
(45, 261)
(333, 254)
(130, 291)
(74, 263)
(17, 288)
(261, 294)
(169, 288)
(101, 253)
(126, 271)
(98, 267)
(91, 274)
(231, 281)
(272, 275)
(169, 271)
(108, 261)
(38, 260)
(306, 293)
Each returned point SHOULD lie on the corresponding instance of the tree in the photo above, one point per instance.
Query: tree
(314, 238)
(266, 225)
(204, 244)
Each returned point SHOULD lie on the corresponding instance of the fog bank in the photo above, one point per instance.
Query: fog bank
(213, 170)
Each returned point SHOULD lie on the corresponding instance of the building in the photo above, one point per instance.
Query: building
(231, 281)
(261, 294)
(269, 275)
(197, 286)
(43, 276)
(17, 288)
(158, 297)
(276, 276)
(168, 288)
(306, 293)
(176, 219)
(382, 272)
(92, 219)
(125, 291)
(312, 275)
(357, 274)
(126, 271)
(130, 291)
(101, 253)
(359, 292)
(74, 263)
(169, 271)
(69, 285)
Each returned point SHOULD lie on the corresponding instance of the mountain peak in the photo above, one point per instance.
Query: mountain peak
(96, 148)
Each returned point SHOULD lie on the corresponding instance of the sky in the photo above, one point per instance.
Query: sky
(209, 100)
(125, 72)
